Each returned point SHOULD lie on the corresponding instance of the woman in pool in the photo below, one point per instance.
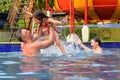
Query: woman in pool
(95, 43)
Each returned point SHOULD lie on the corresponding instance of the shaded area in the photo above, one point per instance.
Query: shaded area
(3, 19)
(3, 16)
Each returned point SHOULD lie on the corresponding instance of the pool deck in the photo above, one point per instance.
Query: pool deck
(10, 43)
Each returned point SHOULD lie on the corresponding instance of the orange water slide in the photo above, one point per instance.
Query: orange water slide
(97, 9)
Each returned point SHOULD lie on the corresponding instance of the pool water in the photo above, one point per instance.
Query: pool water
(14, 66)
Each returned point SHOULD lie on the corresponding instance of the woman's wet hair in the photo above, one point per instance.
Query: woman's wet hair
(97, 40)
(19, 34)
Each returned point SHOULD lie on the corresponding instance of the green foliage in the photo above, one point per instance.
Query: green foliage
(41, 4)
(105, 34)
(51, 3)
(6, 27)
(5, 5)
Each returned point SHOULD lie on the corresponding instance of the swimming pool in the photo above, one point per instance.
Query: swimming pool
(14, 66)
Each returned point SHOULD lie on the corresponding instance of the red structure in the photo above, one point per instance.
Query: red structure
(97, 9)
(48, 8)
(72, 16)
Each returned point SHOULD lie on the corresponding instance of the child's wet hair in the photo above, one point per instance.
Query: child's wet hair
(39, 15)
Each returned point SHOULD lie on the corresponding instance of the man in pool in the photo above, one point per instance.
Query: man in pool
(95, 43)
(30, 47)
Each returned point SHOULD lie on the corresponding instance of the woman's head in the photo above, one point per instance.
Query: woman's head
(95, 42)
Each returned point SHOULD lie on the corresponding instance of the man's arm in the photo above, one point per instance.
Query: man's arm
(82, 45)
(45, 43)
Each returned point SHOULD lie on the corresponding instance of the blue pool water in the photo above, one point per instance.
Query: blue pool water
(82, 66)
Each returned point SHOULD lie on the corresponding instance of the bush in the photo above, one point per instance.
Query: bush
(105, 34)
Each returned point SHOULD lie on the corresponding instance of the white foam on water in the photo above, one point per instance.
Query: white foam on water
(72, 38)
(53, 50)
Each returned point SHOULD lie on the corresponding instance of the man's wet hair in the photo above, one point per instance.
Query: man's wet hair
(19, 34)
(97, 40)
(39, 15)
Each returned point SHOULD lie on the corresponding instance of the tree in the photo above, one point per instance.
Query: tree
(5, 5)
(41, 4)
